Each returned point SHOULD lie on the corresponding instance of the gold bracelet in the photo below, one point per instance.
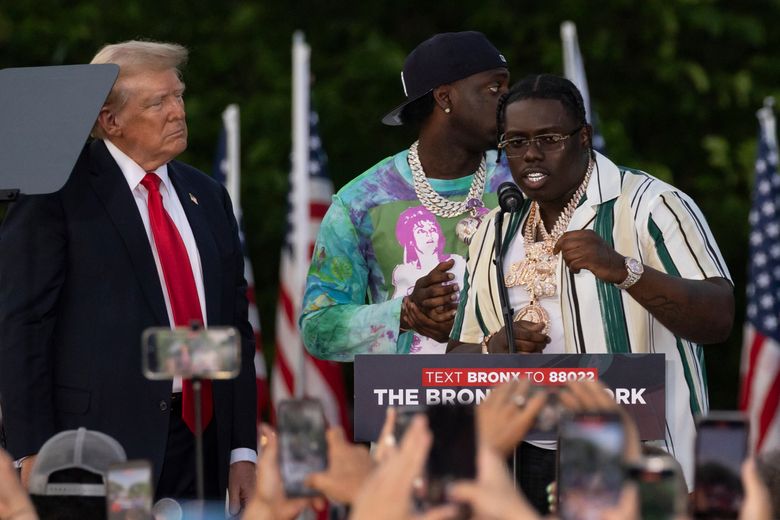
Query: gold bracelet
(485, 341)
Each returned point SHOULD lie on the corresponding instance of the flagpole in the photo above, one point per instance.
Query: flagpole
(766, 118)
(574, 70)
(573, 66)
(301, 210)
(231, 122)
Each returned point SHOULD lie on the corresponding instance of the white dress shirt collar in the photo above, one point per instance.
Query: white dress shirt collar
(132, 171)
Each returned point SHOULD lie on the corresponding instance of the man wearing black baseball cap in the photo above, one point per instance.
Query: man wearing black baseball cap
(441, 60)
(389, 260)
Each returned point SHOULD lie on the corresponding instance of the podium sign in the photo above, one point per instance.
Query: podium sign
(637, 382)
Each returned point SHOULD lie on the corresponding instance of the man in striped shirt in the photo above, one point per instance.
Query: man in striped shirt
(600, 259)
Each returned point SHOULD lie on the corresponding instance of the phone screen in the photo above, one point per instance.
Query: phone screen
(129, 491)
(302, 446)
(453, 453)
(590, 468)
(213, 353)
(403, 418)
(721, 448)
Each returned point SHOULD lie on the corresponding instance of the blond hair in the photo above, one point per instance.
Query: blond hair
(134, 57)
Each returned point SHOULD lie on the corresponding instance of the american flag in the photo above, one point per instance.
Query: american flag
(574, 71)
(760, 369)
(320, 379)
(229, 176)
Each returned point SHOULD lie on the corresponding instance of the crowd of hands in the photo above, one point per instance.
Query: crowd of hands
(381, 484)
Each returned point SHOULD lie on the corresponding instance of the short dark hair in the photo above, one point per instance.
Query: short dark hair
(542, 86)
(416, 112)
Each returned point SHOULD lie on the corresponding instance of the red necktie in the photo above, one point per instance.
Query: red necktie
(182, 292)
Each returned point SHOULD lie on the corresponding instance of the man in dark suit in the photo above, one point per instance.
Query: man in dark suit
(133, 240)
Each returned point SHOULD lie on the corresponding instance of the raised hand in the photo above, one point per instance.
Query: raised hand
(437, 325)
(493, 495)
(14, 502)
(387, 494)
(269, 500)
(349, 465)
(435, 290)
(506, 416)
(584, 249)
(430, 308)
(529, 338)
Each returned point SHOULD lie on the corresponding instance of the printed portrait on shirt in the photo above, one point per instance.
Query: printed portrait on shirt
(423, 242)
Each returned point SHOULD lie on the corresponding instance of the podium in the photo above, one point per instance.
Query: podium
(637, 382)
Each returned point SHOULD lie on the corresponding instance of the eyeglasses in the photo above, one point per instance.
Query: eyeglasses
(518, 146)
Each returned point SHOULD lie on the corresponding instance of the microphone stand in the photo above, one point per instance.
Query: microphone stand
(199, 474)
(197, 388)
(503, 293)
(506, 311)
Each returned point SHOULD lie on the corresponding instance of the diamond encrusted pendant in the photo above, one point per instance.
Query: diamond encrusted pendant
(534, 313)
(466, 227)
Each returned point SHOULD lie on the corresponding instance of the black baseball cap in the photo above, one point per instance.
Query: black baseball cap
(442, 59)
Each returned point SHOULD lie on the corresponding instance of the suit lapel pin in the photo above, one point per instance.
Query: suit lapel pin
(193, 198)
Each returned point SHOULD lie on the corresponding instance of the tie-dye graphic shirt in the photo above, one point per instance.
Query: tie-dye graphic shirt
(375, 241)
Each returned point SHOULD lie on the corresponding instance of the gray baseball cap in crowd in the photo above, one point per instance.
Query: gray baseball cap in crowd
(442, 59)
(83, 449)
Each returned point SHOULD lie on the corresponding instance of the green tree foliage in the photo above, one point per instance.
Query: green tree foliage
(675, 83)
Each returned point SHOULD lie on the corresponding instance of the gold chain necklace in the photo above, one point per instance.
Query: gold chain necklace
(536, 272)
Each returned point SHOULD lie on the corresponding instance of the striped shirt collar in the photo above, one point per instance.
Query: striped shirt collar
(604, 184)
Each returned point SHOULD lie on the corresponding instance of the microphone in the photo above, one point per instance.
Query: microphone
(510, 198)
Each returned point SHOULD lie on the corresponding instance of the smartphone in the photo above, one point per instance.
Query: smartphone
(453, 453)
(302, 446)
(550, 415)
(403, 418)
(663, 494)
(721, 448)
(129, 490)
(590, 464)
(212, 353)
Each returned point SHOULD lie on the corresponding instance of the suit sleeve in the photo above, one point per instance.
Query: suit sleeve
(245, 385)
(336, 321)
(33, 239)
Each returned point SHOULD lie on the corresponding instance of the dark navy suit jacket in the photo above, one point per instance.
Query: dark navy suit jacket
(78, 285)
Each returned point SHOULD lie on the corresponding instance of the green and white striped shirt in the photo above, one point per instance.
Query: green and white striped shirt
(642, 217)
